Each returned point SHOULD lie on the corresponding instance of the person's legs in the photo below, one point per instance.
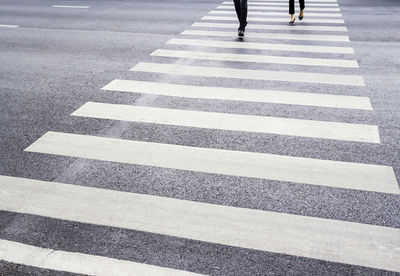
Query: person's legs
(301, 14)
(302, 6)
(291, 6)
(243, 15)
(237, 8)
(291, 11)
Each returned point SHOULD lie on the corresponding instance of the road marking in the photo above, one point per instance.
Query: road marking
(276, 20)
(285, 4)
(231, 122)
(285, 36)
(310, 14)
(272, 27)
(8, 26)
(321, 1)
(262, 46)
(75, 262)
(231, 7)
(249, 74)
(346, 63)
(337, 174)
(310, 237)
(239, 94)
(71, 7)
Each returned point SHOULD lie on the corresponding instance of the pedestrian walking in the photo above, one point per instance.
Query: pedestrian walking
(241, 11)
(291, 11)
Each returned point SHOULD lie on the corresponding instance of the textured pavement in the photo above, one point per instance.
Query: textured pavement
(59, 59)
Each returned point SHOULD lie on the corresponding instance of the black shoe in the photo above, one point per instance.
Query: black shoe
(291, 23)
(301, 17)
(241, 33)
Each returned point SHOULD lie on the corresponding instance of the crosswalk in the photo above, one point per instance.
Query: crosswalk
(261, 46)
(321, 53)
(303, 236)
(79, 263)
(303, 37)
(250, 74)
(239, 94)
(230, 7)
(256, 58)
(263, 13)
(271, 27)
(251, 3)
(270, 19)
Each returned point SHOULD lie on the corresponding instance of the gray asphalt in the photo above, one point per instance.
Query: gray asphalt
(59, 59)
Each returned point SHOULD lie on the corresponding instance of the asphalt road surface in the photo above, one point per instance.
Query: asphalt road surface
(145, 138)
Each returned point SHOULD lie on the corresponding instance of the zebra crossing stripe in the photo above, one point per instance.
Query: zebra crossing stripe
(250, 13)
(325, 62)
(74, 262)
(312, 1)
(284, 4)
(285, 36)
(262, 46)
(220, 72)
(236, 163)
(71, 7)
(232, 122)
(8, 26)
(272, 27)
(230, 7)
(240, 94)
(317, 238)
(274, 19)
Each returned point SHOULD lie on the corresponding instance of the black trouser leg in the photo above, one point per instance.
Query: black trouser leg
(302, 6)
(291, 6)
(237, 8)
(241, 11)
(243, 15)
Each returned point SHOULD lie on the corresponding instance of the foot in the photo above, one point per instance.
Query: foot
(241, 33)
(301, 15)
(292, 19)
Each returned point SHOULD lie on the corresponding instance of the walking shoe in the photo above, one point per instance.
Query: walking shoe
(301, 15)
(292, 19)
(241, 33)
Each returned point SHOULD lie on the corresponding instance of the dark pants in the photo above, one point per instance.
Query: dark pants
(291, 6)
(241, 11)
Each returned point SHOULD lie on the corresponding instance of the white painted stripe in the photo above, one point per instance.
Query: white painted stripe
(262, 46)
(320, 1)
(74, 262)
(8, 26)
(71, 7)
(318, 238)
(231, 7)
(249, 74)
(272, 27)
(256, 58)
(250, 3)
(239, 94)
(231, 122)
(273, 19)
(283, 36)
(237, 163)
(309, 14)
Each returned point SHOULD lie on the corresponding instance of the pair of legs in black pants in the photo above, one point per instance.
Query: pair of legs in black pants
(241, 11)
(291, 6)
